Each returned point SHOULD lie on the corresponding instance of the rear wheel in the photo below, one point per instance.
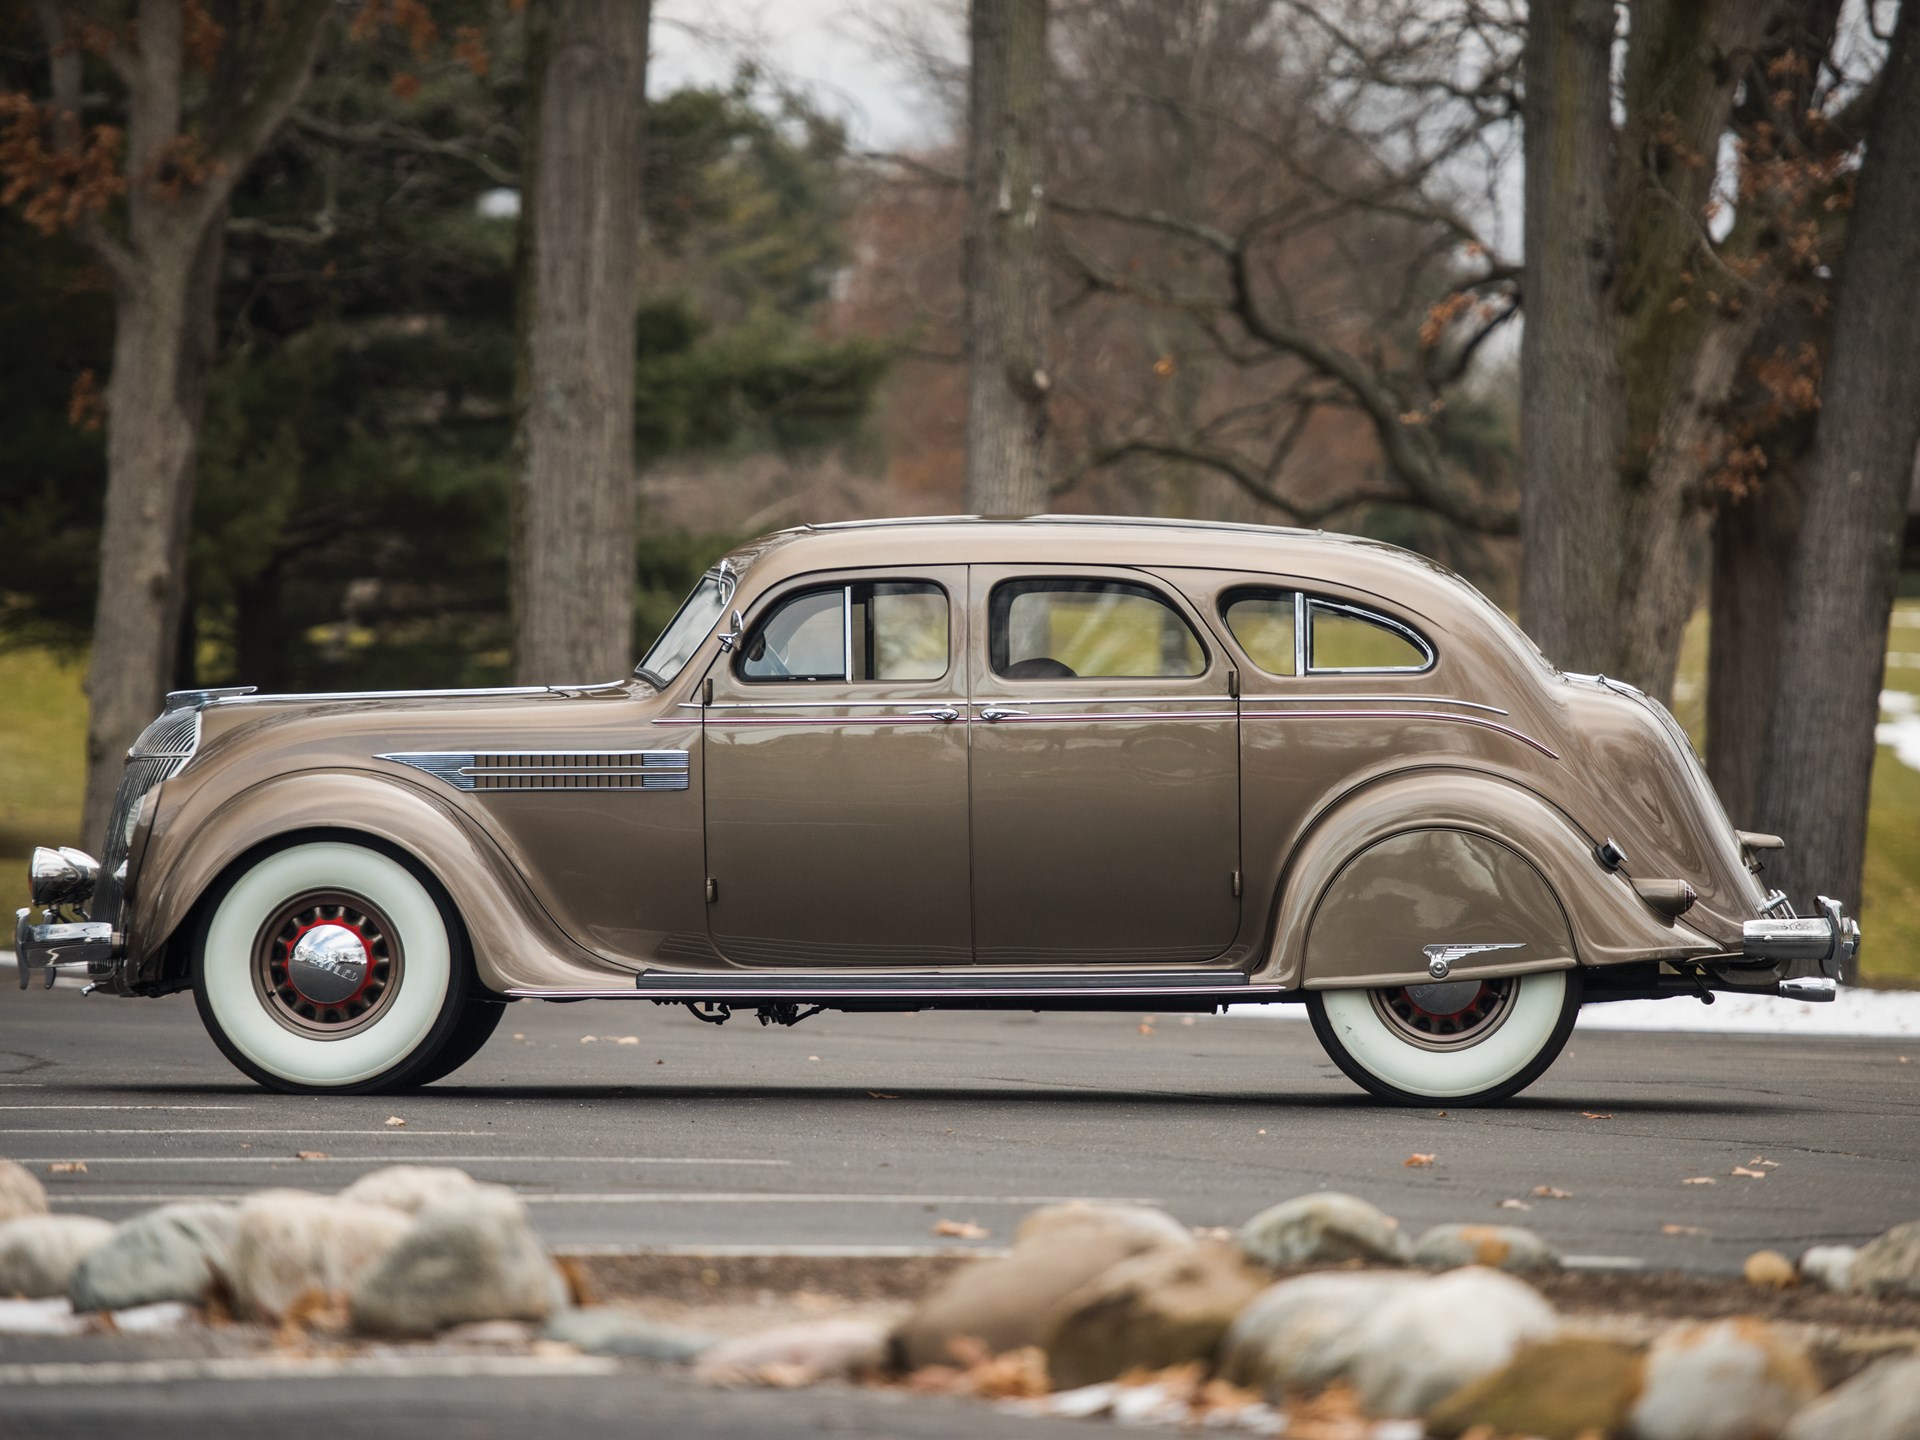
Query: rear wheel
(470, 1033)
(1464, 1041)
(330, 967)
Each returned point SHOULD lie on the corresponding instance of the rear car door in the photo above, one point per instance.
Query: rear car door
(1105, 784)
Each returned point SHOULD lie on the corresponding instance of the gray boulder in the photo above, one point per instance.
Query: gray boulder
(798, 1354)
(21, 1192)
(1829, 1266)
(1165, 1307)
(1299, 1334)
(290, 1242)
(1324, 1228)
(1889, 1265)
(38, 1253)
(608, 1330)
(1426, 1342)
(471, 1256)
(173, 1253)
(1002, 1303)
(409, 1188)
(1882, 1402)
(1498, 1247)
(1723, 1380)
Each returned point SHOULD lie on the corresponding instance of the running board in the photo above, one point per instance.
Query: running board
(935, 986)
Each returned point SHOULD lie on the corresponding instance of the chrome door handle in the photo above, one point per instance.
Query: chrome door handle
(994, 712)
(944, 713)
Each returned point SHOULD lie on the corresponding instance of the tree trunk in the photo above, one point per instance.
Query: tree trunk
(1752, 549)
(574, 501)
(163, 349)
(1007, 319)
(1571, 402)
(1820, 745)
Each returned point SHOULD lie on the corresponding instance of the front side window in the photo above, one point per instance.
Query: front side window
(1089, 629)
(876, 630)
(1286, 632)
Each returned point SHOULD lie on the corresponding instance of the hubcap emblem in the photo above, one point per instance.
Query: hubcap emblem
(329, 964)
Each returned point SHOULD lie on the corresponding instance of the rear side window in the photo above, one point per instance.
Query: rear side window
(1287, 632)
(1070, 629)
(875, 630)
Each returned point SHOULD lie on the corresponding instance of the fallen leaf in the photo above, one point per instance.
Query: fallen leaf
(1514, 1205)
(1145, 1028)
(1417, 1161)
(1762, 1160)
(1188, 1020)
(1905, 1061)
(589, 1039)
(519, 1035)
(1549, 1192)
(1698, 1180)
(626, 1039)
(1263, 1132)
(1681, 1230)
(813, 1057)
(394, 1122)
(961, 1229)
(880, 1095)
(659, 1062)
(1749, 1174)
(67, 1167)
(311, 1155)
(1441, 1113)
(1598, 1114)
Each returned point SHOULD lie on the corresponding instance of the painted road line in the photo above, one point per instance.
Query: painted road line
(128, 1107)
(383, 1159)
(87, 1195)
(272, 1367)
(170, 1130)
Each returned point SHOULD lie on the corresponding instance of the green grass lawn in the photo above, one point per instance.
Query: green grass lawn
(43, 729)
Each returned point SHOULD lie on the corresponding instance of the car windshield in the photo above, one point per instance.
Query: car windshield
(688, 628)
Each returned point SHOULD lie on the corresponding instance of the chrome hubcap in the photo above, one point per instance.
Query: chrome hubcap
(327, 965)
(1449, 1015)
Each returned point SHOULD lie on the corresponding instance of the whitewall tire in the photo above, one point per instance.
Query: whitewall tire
(1471, 1043)
(331, 967)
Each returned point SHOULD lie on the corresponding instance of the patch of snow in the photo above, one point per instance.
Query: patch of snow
(1900, 732)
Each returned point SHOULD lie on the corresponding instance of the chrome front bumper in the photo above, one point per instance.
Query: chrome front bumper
(1830, 939)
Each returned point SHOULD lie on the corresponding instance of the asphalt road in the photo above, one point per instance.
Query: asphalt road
(866, 1131)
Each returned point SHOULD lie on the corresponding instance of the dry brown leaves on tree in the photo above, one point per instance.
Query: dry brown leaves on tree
(55, 186)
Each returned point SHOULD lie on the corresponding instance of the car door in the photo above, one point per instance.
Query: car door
(1106, 809)
(835, 743)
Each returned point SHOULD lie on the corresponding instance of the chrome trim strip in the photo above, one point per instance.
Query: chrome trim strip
(997, 700)
(1372, 617)
(417, 694)
(1384, 699)
(1403, 715)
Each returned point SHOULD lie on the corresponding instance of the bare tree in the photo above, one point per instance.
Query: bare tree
(201, 99)
(1007, 325)
(574, 499)
(1820, 743)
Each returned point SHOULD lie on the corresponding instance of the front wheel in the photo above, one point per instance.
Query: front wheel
(332, 968)
(1468, 1042)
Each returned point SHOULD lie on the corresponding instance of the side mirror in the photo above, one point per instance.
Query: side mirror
(728, 640)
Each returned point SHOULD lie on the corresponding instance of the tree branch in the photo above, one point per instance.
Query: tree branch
(271, 98)
(64, 81)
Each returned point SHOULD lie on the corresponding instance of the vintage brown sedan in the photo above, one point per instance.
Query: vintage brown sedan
(1048, 763)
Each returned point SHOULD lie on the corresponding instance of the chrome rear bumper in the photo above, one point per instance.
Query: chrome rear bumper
(1829, 938)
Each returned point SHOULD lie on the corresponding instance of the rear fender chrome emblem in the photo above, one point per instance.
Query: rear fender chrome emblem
(1442, 958)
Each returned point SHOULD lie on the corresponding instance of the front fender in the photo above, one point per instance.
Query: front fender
(1443, 857)
(514, 941)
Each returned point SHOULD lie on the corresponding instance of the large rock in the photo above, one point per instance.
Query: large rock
(1298, 1334)
(1324, 1228)
(1002, 1303)
(607, 1330)
(174, 1253)
(1882, 1402)
(1423, 1344)
(1162, 1308)
(409, 1188)
(1829, 1266)
(1564, 1389)
(21, 1192)
(1724, 1380)
(799, 1354)
(38, 1253)
(472, 1256)
(1498, 1247)
(289, 1242)
(1889, 1265)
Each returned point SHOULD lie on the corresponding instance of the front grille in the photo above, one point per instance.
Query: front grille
(161, 752)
